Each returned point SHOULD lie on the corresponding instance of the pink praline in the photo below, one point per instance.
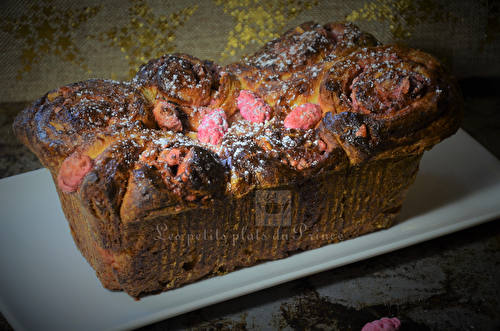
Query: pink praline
(213, 127)
(253, 108)
(384, 324)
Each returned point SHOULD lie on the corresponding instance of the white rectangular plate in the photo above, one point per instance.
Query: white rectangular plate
(45, 284)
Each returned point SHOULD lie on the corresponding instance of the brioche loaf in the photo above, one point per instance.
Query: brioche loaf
(191, 170)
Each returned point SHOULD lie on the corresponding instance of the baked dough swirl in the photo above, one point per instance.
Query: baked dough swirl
(389, 100)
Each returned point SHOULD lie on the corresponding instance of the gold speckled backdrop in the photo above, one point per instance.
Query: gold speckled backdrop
(49, 43)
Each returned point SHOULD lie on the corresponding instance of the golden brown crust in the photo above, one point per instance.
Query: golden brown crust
(180, 78)
(297, 57)
(347, 38)
(262, 157)
(146, 193)
(67, 117)
(403, 101)
(193, 87)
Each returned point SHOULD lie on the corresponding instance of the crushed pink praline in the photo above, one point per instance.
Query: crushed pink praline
(213, 127)
(384, 324)
(305, 117)
(252, 107)
(72, 171)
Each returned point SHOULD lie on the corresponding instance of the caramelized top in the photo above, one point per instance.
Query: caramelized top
(147, 143)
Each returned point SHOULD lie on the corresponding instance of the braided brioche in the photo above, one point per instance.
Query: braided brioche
(325, 113)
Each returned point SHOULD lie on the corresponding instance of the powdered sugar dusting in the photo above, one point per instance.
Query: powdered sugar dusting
(259, 118)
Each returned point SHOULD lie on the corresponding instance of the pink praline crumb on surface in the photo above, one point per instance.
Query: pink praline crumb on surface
(253, 108)
(304, 117)
(213, 127)
(72, 171)
(384, 324)
(166, 116)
